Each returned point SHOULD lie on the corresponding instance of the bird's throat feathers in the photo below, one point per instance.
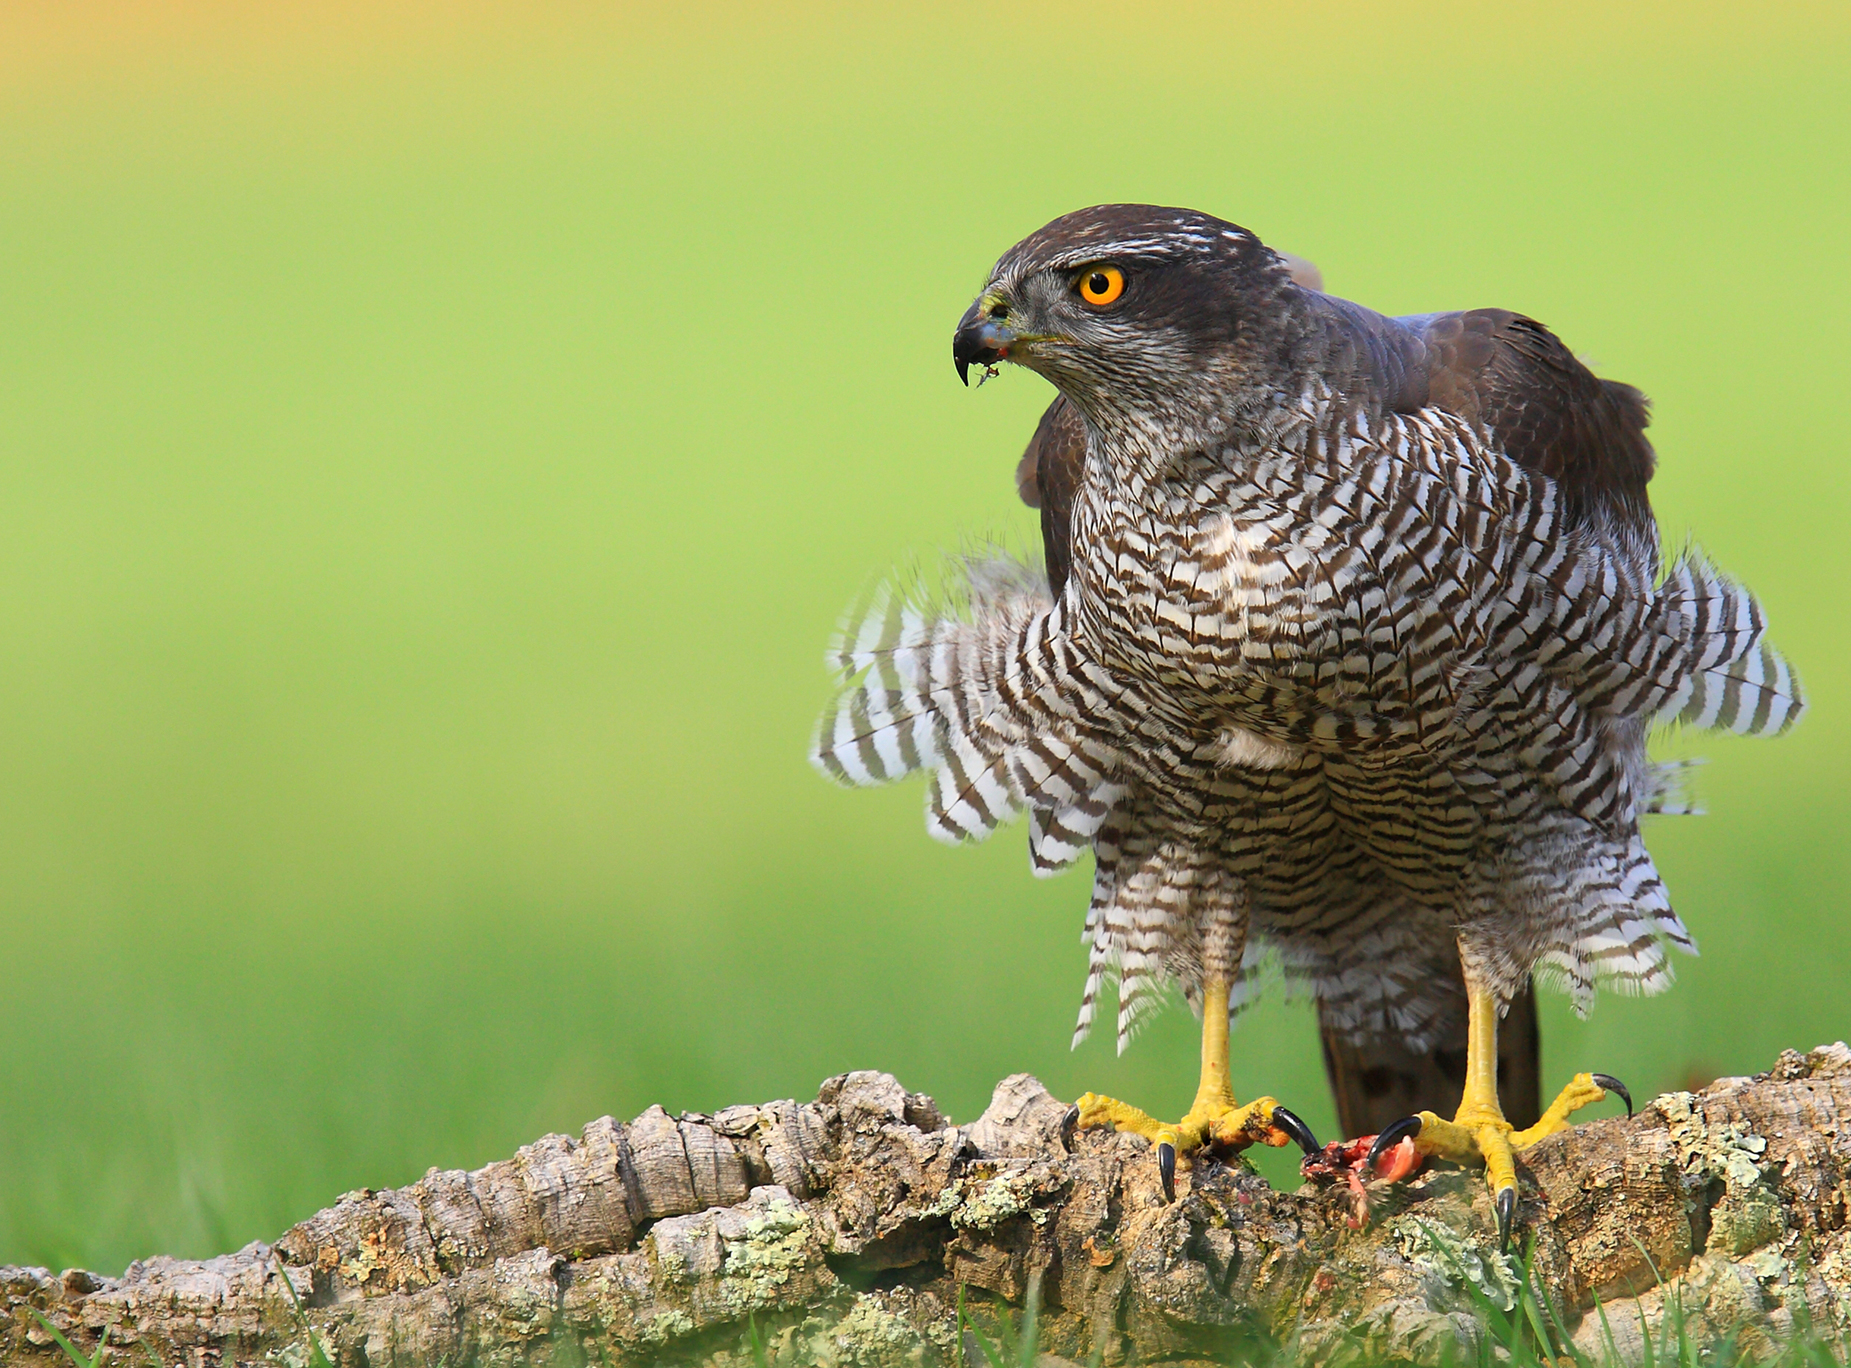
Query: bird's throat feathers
(1146, 442)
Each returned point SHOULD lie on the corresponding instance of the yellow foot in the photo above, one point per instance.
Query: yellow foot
(1478, 1133)
(1215, 1122)
(1583, 1090)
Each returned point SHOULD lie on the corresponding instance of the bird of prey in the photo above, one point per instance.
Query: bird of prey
(1376, 1076)
(1359, 633)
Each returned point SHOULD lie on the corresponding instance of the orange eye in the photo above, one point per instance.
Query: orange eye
(1100, 285)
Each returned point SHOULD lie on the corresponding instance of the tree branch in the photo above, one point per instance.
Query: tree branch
(839, 1231)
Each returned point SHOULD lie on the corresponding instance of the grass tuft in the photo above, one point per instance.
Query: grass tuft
(757, 1341)
(318, 1357)
(1027, 1334)
(1531, 1334)
(70, 1350)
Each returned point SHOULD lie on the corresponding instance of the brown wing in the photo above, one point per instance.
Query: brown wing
(1546, 410)
(1510, 374)
(1047, 477)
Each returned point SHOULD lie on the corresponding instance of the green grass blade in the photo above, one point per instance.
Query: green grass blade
(1533, 1318)
(1031, 1321)
(1563, 1345)
(318, 1357)
(1686, 1351)
(70, 1350)
(1606, 1330)
(758, 1345)
(1652, 1353)
(1532, 1313)
(992, 1354)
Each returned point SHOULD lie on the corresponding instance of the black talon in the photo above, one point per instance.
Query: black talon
(1613, 1085)
(1166, 1170)
(1301, 1133)
(1391, 1135)
(1507, 1213)
(1068, 1124)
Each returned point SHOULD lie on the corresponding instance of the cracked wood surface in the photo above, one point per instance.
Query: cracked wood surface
(841, 1230)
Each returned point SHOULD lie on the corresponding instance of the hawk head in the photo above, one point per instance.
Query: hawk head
(1142, 316)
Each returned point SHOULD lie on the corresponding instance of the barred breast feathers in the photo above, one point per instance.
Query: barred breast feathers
(1412, 535)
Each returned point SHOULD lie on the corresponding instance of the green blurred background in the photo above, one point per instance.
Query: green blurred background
(436, 442)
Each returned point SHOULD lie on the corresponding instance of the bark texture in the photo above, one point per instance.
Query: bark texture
(841, 1229)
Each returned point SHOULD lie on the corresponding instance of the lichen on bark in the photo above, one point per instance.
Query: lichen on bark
(839, 1232)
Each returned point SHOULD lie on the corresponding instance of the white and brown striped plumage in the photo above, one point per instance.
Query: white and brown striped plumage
(1356, 663)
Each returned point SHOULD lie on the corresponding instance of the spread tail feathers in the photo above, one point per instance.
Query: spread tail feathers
(1733, 678)
(969, 688)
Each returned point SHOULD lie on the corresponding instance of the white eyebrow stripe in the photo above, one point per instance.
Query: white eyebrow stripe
(1145, 247)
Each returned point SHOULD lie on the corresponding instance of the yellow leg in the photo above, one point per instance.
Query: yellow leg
(1478, 1132)
(1583, 1090)
(1214, 1119)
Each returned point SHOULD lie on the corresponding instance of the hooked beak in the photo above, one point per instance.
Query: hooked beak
(982, 339)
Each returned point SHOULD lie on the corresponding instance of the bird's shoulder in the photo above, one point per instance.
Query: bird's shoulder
(1538, 404)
